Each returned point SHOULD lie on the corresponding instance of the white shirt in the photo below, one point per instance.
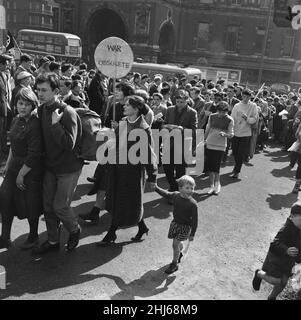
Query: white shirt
(242, 127)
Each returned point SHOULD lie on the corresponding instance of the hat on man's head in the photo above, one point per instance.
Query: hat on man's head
(23, 75)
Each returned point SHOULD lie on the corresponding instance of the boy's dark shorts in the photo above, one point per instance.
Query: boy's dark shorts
(277, 266)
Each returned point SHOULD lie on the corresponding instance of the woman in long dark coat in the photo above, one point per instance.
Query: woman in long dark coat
(277, 120)
(126, 182)
(21, 189)
(96, 94)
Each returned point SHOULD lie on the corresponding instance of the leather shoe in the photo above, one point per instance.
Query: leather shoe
(256, 281)
(211, 190)
(73, 239)
(173, 267)
(235, 175)
(46, 247)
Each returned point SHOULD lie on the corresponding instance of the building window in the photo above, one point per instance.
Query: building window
(232, 38)
(288, 41)
(236, 2)
(259, 41)
(34, 20)
(203, 35)
(142, 20)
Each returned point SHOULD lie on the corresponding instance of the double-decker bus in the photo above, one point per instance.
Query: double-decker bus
(65, 46)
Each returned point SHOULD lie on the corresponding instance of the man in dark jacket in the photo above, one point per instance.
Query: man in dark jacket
(178, 117)
(61, 129)
(284, 252)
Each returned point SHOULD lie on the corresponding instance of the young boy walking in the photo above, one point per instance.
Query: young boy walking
(284, 252)
(185, 221)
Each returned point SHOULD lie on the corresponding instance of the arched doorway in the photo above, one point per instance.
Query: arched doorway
(167, 39)
(103, 23)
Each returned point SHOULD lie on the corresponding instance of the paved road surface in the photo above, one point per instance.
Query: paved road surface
(231, 242)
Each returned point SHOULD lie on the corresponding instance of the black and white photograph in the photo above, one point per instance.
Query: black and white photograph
(150, 153)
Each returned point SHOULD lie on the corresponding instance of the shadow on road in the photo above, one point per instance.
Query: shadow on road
(81, 190)
(281, 201)
(149, 285)
(278, 156)
(54, 270)
(284, 172)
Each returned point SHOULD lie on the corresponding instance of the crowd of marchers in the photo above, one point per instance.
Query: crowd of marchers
(40, 141)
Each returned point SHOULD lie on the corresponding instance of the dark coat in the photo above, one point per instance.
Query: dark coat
(124, 196)
(278, 262)
(27, 148)
(188, 119)
(96, 95)
(277, 120)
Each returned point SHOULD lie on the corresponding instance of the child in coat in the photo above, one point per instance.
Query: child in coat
(284, 252)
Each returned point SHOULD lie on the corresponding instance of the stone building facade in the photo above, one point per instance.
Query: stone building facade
(30, 14)
(237, 34)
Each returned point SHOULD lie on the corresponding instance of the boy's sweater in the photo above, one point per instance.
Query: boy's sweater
(185, 210)
(61, 140)
(242, 127)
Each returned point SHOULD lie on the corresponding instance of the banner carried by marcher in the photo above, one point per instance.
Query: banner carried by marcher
(114, 57)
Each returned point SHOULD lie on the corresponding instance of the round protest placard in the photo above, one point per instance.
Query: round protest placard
(114, 57)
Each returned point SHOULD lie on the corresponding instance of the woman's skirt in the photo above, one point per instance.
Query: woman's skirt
(23, 204)
(213, 160)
